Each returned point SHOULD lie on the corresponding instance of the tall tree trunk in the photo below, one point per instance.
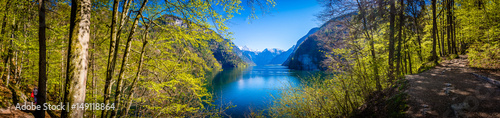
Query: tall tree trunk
(111, 57)
(92, 63)
(63, 75)
(418, 38)
(76, 69)
(443, 49)
(405, 47)
(123, 19)
(453, 32)
(124, 61)
(8, 71)
(400, 39)
(434, 29)
(409, 63)
(42, 62)
(391, 39)
(439, 43)
(448, 26)
(137, 76)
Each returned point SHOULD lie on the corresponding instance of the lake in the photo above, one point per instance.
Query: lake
(251, 88)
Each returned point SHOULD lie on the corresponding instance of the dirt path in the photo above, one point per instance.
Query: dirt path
(11, 112)
(451, 90)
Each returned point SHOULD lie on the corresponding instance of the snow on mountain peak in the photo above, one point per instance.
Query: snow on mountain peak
(245, 48)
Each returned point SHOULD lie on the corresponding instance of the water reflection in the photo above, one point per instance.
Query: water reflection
(251, 88)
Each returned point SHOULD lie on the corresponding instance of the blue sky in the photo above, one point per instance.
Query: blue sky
(288, 21)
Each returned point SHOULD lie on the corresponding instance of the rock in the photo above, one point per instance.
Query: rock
(459, 108)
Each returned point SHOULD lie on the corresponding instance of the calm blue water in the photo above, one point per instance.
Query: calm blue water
(251, 88)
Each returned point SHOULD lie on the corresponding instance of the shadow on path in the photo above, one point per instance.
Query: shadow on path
(451, 90)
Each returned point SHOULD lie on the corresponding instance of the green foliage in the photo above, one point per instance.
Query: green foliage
(485, 56)
(479, 30)
(426, 66)
(336, 96)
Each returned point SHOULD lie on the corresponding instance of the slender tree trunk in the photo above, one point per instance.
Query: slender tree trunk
(391, 39)
(443, 28)
(137, 75)
(63, 75)
(418, 39)
(76, 69)
(15, 67)
(123, 19)
(111, 57)
(409, 63)
(8, 72)
(400, 39)
(405, 47)
(42, 62)
(434, 29)
(448, 26)
(92, 65)
(439, 43)
(452, 18)
(124, 61)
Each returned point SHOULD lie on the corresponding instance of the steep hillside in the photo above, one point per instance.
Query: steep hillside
(314, 51)
(226, 55)
(221, 52)
(312, 31)
(243, 57)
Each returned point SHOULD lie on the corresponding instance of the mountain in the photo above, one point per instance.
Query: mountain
(264, 57)
(219, 53)
(245, 48)
(225, 53)
(312, 31)
(313, 53)
(282, 57)
(260, 57)
(247, 59)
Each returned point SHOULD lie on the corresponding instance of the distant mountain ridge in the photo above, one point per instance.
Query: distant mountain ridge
(282, 57)
(264, 57)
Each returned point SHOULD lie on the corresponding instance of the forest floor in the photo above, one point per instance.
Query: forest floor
(453, 89)
(12, 112)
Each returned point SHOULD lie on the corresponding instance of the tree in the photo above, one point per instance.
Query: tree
(76, 65)
(400, 39)
(434, 57)
(130, 95)
(125, 59)
(391, 39)
(42, 76)
(111, 56)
